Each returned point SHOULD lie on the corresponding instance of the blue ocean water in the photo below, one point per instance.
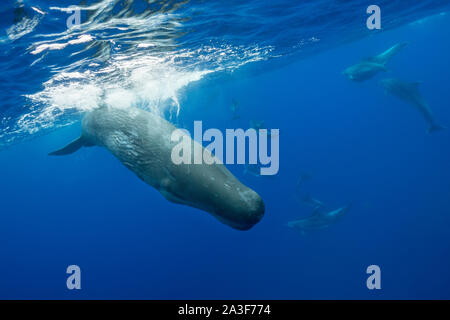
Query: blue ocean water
(277, 62)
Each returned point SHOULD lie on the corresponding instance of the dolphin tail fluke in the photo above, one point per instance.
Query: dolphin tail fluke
(435, 128)
(70, 148)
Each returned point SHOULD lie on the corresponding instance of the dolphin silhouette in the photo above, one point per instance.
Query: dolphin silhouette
(142, 142)
(409, 92)
(320, 219)
(368, 68)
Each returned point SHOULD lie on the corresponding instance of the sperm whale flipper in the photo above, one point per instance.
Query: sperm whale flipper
(72, 147)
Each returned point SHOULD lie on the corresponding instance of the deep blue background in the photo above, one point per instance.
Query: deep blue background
(358, 144)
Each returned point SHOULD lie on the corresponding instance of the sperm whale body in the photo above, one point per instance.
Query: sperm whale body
(142, 142)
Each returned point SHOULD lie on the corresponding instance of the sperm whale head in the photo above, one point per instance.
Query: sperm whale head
(244, 213)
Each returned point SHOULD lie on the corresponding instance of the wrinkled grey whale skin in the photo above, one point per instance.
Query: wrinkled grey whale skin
(368, 68)
(142, 142)
(320, 219)
(409, 92)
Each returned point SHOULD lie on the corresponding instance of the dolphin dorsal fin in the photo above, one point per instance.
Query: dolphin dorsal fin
(318, 210)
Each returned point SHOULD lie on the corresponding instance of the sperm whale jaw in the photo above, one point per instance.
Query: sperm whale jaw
(237, 206)
(246, 216)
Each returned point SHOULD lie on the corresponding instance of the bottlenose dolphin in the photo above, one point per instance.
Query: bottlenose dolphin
(320, 219)
(409, 92)
(370, 67)
(235, 109)
(257, 124)
(142, 142)
(260, 125)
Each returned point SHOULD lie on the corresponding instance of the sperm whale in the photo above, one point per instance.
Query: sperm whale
(142, 141)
